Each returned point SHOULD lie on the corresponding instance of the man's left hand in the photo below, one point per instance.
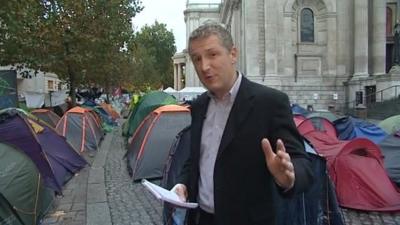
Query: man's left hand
(279, 164)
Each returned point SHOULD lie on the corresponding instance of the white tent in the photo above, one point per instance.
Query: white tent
(172, 92)
(190, 93)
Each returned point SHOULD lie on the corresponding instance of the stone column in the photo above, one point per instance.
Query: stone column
(345, 35)
(251, 39)
(379, 37)
(179, 77)
(289, 48)
(271, 34)
(360, 39)
(332, 43)
(175, 77)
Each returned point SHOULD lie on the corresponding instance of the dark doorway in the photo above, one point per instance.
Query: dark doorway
(370, 94)
(359, 97)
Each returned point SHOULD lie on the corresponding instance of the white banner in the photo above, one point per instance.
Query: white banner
(57, 98)
(34, 99)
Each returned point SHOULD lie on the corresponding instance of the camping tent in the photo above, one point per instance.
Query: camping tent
(356, 168)
(316, 123)
(148, 150)
(298, 110)
(318, 206)
(110, 110)
(391, 125)
(23, 197)
(178, 154)
(390, 148)
(81, 128)
(47, 116)
(323, 113)
(190, 93)
(172, 92)
(297, 118)
(54, 157)
(349, 128)
(146, 104)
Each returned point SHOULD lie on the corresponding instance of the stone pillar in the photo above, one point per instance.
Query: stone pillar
(175, 77)
(271, 34)
(179, 77)
(289, 49)
(379, 37)
(332, 43)
(250, 40)
(345, 35)
(360, 39)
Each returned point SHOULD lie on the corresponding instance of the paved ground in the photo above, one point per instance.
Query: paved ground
(103, 194)
(129, 202)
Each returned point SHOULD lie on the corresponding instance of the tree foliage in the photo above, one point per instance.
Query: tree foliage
(81, 41)
(153, 48)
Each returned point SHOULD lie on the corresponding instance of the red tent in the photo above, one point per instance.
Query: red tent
(357, 170)
(298, 119)
(316, 123)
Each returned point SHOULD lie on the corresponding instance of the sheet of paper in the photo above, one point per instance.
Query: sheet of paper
(167, 195)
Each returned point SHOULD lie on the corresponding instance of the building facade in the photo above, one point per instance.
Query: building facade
(325, 53)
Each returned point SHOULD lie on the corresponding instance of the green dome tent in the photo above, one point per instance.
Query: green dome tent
(146, 104)
(391, 125)
(23, 198)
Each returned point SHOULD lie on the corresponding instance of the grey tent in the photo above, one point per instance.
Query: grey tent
(149, 147)
(390, 147)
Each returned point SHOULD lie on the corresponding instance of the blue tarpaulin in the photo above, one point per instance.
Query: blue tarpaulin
(349, 128)
(296, 109)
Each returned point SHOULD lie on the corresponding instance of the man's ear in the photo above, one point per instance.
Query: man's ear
(234, 54)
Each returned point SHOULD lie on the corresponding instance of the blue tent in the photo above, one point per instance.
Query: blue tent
(317, 206)
(296, 109)
(178, 154)
(349, 128)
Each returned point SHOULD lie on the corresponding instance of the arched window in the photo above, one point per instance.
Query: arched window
(307, 25)
(389, 24)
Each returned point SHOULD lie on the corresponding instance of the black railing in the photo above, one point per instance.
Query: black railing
(380, 93)
(373, 100)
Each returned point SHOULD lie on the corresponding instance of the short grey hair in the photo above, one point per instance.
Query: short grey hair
(211, 28)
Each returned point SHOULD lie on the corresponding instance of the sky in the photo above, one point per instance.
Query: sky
(169, 12)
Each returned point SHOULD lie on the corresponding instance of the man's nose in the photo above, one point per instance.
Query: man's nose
(205, 64)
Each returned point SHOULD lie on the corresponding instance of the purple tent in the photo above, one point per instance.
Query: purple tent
(53, 156)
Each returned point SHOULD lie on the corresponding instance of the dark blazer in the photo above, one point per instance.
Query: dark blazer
(244, 190)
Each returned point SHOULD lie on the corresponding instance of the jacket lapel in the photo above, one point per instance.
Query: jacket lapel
(197, 123)
(239, 112)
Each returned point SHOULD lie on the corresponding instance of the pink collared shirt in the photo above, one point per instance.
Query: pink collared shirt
(213, 128)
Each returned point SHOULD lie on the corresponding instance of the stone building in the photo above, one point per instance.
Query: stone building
(323, 53)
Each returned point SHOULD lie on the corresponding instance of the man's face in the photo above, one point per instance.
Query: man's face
(214, 64)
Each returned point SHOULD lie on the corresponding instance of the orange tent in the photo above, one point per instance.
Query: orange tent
(110, 110)
(81, 127)
(150, 144)
(48, 116)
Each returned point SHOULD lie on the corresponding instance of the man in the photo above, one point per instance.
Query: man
(244, 147)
